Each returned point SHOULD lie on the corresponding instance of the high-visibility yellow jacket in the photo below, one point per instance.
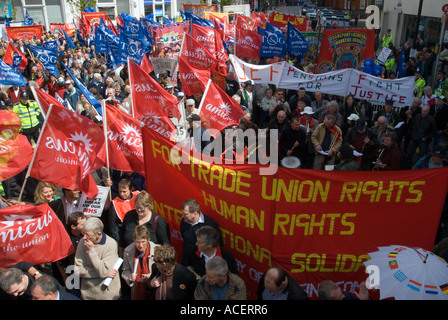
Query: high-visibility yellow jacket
(420, 83)
(28, 115)
(387, 39)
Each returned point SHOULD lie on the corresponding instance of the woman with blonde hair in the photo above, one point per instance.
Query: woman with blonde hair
(45, 192)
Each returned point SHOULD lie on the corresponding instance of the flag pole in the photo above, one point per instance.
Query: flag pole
(131, 101)
(203, 96)
(34, 154)
(104, 116)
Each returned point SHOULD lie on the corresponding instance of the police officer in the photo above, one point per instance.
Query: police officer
(420, 84)
(28, 112)
(387, 38)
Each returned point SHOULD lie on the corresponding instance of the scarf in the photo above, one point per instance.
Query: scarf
(335, 131)
(161, 291)
(141, 289)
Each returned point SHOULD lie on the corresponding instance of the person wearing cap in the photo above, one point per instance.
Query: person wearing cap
(309, 124)
(180, 96)
(420, 83)
(359, 139)
(440, 113)
(189, 110)
(437, 158)
(347, 163)
(8, 105)
(200, 137)
(71, 94)
(391, 115)
(441, 83)
(29, 112)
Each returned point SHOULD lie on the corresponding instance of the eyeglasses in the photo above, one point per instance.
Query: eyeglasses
(140, 208)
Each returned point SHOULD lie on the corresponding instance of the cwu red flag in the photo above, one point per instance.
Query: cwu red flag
(124, 140)
(33, 234)
(70, 148)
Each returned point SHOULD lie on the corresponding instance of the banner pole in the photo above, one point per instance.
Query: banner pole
(104, 117)
(34, 154)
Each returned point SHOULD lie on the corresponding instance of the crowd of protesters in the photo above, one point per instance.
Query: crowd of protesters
(321, 131)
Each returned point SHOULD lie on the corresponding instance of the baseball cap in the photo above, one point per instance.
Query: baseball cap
(193, 117)
(190, 102)
(24, 95)
(360, 125)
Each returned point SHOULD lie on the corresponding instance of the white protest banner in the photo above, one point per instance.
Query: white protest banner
(94, 207)
(340, 82)
(270, 73)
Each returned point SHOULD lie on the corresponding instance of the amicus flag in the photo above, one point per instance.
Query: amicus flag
(151, 103)
(15, 150)
(124, 140)
(70, 148)
(45, 100)
(12, 51)
(197, 55)
(247, 44)
(194, 80)
(33, 234)
(218, 110)
(205, 36)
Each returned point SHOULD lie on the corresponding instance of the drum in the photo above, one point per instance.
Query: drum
(291, 162)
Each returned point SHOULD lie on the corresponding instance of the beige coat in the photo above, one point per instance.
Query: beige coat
(318, 136)
(93, 267)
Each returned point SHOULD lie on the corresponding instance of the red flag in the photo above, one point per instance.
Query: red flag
(44, 100)
(25, 32)
(205, 36)
(71, 146)
(151, 103)
(194, 80)
(15, 150)
(241, 22)
(146, 65)
(196, 55)
(259, 19)
(33, 234)
(247, 44)
(11, 50)
(124, 139)
(218, 110)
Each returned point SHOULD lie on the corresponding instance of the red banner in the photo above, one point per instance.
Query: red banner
(247, 44)
(25, 33)
(92, 19)
(57, 28)
(168, 40)
(124, 140)
(194, 80)
(33, 234)
(196, 55)
(346, 48)
(281, 20)
(15, 150)
(315, 224)
(70, 147)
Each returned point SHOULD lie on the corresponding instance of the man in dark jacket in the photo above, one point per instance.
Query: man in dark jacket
(192, 220)
(347, 163)
(277, 284)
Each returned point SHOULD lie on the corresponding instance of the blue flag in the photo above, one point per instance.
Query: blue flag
(168, 21)
(49, 58)
(401, 70)
(100, 41)
(273, 44)
(145, 29)
(89, 96)
(28, 20)
(296, 43)
(273, 28)
(81, 40)
(69, 40)
(132, 48)
(131, 27)
(9, 77)
(194, 18)
(52, 45)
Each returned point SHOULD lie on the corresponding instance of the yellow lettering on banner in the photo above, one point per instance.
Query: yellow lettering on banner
(223, 178)
(382, 191)
(169, 213)
(164, 152)
(295, 191)
(315, 262)
(286, 224)
(238, 214)
(244, 246)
